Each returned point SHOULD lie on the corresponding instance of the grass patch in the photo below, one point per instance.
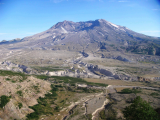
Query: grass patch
(70, 80)
(11, 73)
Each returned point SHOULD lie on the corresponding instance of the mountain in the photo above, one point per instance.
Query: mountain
(72, 63)
(10, 41)
(90, 36)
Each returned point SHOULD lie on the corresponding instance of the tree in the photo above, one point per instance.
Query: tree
(140, 110)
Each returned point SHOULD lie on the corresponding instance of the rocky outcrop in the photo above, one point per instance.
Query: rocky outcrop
(91, 71)
(57, 73)
(110, 74)
(120, 58)
(88, 71)
(95, 69)
(143, 79)
(7, 65)
(84, 54)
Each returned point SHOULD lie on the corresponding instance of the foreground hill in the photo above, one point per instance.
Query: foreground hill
(52, 97)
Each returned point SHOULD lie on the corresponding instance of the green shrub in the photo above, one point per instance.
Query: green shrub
(58, 86)
(109, 113)
(33, 115)
(128, 91)
(20, 105)
(13, 81)
(8, 79)
(57, 109)
(89, 116)
(43, 77)
(102, 114)
(140, 110)
(4, 100)
(20, 93)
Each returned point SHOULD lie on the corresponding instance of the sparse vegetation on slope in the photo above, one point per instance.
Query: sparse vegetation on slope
(24, 94)
(44, 105)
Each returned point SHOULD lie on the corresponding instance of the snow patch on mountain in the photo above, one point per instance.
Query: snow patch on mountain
(101, 33)
(114, 25)
(64, 31)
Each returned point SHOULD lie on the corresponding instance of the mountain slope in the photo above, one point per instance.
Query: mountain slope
(91, 36)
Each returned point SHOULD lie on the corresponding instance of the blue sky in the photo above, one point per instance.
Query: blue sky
(21, 18)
